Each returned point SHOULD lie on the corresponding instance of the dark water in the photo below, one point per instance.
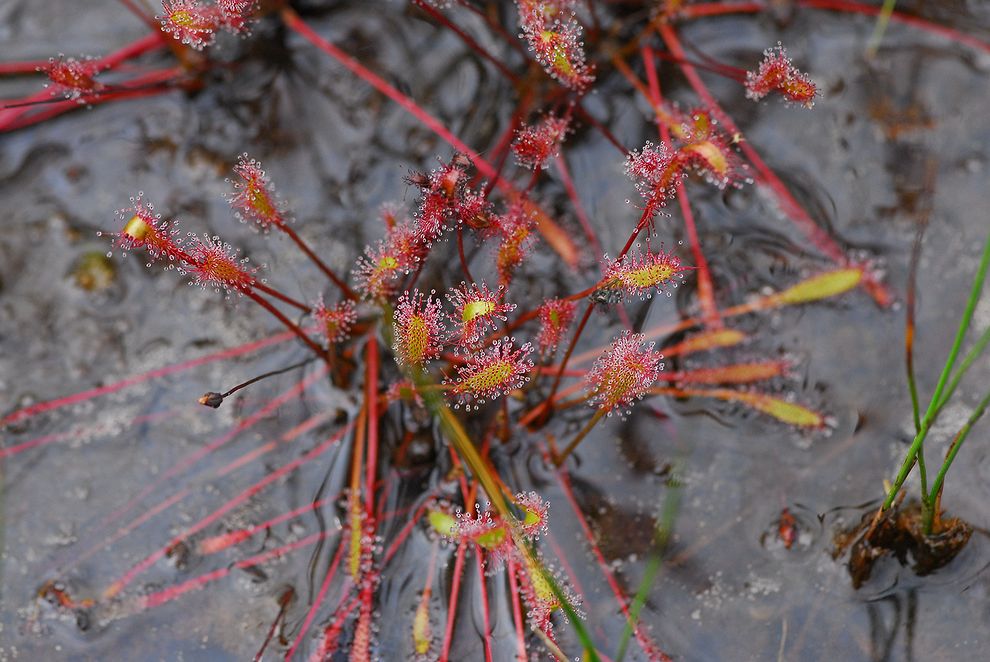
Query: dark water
(730, 589)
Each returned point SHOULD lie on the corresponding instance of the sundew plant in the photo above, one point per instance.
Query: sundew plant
(418, 269)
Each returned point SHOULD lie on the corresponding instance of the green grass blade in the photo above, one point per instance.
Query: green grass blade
(964, 322)
(665, 529)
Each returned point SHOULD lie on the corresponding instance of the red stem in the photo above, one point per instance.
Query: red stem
(706, 291)
(289, 324)
(798, 215)
(455, 588)
(304, 247)
(155, 82)
(565, 179)
(317, 601)
(467, 39)
(517, 619)
(720, 8)
(272, 292)
(138, 47)
(642, 638)
(565, 247)
(371, 397)
(485, 612)
(23, 67)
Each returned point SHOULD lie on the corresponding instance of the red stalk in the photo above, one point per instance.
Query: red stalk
(289, 324)
(272, 292)
(317, 601)
(304, 247)
(156, 82)
(706, 291)
(562, 243)
(798, 215)
(517, 618)
(721, 8)
(485, 612)
(468, 40)
(371, 397)
(455, 588)
(644, 641)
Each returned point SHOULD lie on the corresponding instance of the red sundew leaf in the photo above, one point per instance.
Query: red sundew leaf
(559, 240)
(418, 326)
(215, 263)
(644, 272)
(779, 408)
(705, 341)
(492, 373)
(254, 200)
(655, 171)
(235, 14)
(73, 78)
(554, 36)
(741, 373)
(624, 372)
(476, 311)
(334, 322)
(556, 316)
(536, 144)
(822, 286)
(191, 22)
(777, 73)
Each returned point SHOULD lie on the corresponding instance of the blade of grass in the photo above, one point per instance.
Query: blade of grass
(926, 423)
(936, 493)
(665, 528)
(880, 27)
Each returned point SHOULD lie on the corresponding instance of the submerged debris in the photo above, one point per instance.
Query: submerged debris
(900, 532)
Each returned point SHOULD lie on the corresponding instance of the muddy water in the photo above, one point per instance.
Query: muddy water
(95, 492)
